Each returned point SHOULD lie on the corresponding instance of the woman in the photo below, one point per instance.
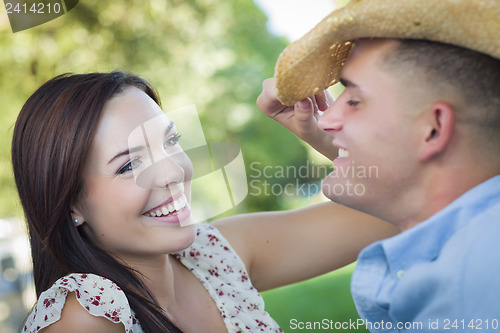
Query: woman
(111, 256)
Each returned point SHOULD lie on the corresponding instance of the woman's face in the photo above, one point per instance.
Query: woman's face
(136, 181)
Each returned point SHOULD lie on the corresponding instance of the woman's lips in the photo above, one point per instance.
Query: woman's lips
(169, 207)
(181, 217)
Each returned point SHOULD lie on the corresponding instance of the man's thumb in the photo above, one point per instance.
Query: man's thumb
(304, 109)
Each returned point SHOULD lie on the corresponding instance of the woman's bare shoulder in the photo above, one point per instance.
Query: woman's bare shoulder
(76, 319)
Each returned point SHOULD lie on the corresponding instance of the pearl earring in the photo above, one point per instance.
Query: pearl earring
(76, 221)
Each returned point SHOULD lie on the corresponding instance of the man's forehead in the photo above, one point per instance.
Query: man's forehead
(367, 52)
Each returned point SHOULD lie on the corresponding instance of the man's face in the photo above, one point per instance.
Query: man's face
(374, 126)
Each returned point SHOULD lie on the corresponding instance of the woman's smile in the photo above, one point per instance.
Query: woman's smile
(169, 207)
(171, 211)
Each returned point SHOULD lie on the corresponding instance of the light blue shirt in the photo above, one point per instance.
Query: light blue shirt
(442, 275)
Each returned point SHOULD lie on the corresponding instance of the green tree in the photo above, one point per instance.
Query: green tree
(210, 53)
(213, 54)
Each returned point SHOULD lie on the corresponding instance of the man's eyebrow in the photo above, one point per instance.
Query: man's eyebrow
(135, 149)
(347, 83)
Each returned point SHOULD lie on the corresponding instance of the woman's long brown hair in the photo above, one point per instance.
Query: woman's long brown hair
(52, 139)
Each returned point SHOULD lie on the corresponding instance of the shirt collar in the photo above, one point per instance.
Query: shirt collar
(424, 241)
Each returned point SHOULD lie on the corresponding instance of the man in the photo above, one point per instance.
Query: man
(422, 105)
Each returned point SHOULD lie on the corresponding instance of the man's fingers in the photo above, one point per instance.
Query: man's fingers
(329, 98)
(324, 99)
(269, 86)
(304, 110)
(268, 101)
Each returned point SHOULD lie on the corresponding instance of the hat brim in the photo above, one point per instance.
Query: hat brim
(315, 61)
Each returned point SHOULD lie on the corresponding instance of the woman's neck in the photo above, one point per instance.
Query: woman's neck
(159, 275)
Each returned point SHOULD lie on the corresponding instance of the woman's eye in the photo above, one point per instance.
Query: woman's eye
(129, 166)
(352, 102)
(172, 140)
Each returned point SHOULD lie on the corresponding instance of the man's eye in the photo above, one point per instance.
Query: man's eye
(129, 166)
(172, 140)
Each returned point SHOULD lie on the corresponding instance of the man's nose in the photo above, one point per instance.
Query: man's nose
(332, 119)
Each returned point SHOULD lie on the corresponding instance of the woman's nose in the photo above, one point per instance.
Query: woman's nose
(162, 172)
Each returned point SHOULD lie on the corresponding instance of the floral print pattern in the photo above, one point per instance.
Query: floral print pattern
(98, 295)
(221, 271)
(210, 258)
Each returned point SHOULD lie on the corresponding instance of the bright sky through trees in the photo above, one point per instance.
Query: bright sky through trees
(293, 18)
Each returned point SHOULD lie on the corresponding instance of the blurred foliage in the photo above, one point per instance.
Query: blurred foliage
(210, 53)
(324, 300)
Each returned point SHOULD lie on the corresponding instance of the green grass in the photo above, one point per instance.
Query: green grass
(327, 297)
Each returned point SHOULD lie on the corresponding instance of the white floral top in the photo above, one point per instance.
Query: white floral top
(212, 261)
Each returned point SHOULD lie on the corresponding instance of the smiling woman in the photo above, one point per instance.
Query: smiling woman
(55, 153)
(105, 187)
(106, 190)
(116, 210)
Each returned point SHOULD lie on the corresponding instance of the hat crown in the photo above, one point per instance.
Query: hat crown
(314, 62)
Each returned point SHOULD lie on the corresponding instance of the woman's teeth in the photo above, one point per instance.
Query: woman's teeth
(170, 209)
(343, 152)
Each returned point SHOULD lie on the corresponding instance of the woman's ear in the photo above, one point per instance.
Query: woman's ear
(439, 122)
(77, 216)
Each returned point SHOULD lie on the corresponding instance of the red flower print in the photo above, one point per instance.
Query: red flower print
(48, 302)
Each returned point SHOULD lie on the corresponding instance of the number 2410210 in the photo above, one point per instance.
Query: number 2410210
(36, 8)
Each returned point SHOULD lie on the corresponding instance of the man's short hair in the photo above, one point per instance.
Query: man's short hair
(472, 78)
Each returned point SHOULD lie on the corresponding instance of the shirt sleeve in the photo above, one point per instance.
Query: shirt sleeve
(98, 295)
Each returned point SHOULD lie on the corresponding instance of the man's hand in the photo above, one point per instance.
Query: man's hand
(300, 119)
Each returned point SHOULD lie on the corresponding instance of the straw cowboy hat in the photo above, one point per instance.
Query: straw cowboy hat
(314, 62)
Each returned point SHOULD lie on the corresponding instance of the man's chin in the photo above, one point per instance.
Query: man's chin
(343, 191)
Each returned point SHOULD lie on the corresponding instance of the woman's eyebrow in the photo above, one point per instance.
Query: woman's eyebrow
(135, 149)
(126, 152)
(169, 127)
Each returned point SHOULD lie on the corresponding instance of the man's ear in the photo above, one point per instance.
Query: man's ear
(439, 122)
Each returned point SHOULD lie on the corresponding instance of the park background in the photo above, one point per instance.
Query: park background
(211, 53)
